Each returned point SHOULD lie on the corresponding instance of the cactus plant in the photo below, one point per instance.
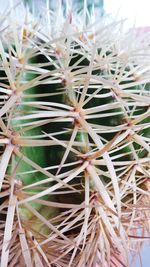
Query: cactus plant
(75, 135)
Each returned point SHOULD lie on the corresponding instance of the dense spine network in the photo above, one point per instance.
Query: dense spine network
(75, 140)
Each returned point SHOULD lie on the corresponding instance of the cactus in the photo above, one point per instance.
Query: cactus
(75, 135)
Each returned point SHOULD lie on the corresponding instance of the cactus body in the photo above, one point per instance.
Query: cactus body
(75, 135)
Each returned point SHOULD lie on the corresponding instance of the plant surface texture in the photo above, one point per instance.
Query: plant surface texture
(74, 139)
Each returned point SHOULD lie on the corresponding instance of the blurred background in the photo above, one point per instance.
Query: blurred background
(135, 12)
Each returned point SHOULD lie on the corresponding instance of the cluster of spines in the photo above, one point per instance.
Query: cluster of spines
(84, 101)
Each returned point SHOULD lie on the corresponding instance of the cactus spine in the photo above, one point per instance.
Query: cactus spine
(75, 135)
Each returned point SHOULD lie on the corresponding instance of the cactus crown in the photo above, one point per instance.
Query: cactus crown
(74, 169)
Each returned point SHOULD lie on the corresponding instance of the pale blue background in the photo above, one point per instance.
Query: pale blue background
(145, 257)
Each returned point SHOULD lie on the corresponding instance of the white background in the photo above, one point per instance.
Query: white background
(136, 11)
